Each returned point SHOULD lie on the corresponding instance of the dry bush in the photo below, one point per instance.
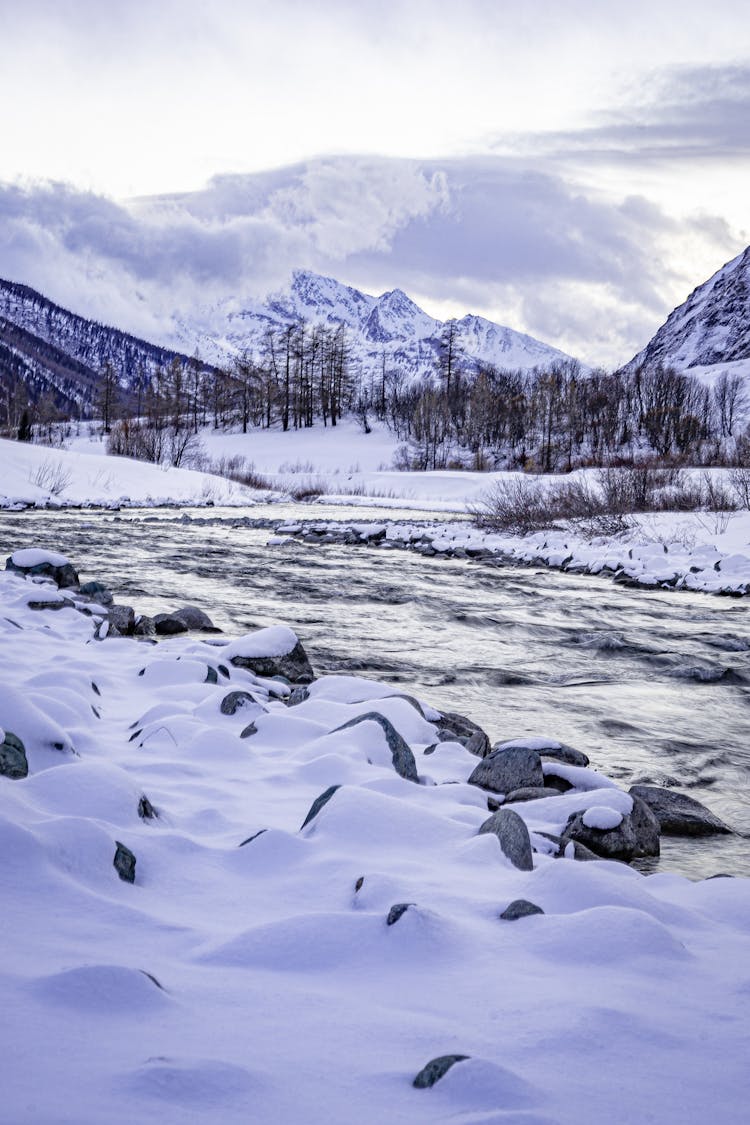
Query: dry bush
(52, 477)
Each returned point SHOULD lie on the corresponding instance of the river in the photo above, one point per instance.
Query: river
(523, 651)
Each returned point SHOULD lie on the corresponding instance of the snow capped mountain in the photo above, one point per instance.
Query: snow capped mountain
(390, 327)
(54, 351)
(710, 332)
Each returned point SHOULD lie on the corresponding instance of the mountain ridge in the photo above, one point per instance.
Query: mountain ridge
(710, 331)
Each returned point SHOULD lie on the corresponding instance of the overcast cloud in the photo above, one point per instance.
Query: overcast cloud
(558, 168)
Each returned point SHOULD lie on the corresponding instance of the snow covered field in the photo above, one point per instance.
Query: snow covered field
(261, 966)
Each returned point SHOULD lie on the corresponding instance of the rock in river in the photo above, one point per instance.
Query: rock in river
(678, 814)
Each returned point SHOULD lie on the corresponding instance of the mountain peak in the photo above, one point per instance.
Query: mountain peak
(710, 331)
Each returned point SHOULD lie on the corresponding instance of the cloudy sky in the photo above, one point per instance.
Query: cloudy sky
(571, 168)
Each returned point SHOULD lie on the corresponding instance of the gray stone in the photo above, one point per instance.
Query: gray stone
(297, 695)
(396, 912)
(194, 618)
(294, 665)
(520, 908)
(167, 625)
(249, 731)
(646, 828)
(319, 803)
(513, 835)
(124, 863)
(633, 837)
(144, 626)
(678, 814)
(506, 770)
(465, 731)
(212, 676)
(122, 618)
(236, 700)
(401, 754)
(13, 762)
(435, 1069)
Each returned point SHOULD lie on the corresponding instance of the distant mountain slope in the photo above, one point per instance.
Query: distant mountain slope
(390, 326)
(710, 331)
(56, 351)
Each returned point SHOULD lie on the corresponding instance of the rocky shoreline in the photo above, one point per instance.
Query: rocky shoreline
(539, 780)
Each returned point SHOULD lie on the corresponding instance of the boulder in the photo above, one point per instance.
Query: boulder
(458, 728)
(546, 748)
(401, 754)
(678, 814)
(506, 770)
(293, 665)
(235, 700)
(122, 619)
(635, 835)
(435, 1069)
(168, 625)
(194, 618)
(13, 762)
(32, 562)
(520, 908)
(144, 626)
(513, 836)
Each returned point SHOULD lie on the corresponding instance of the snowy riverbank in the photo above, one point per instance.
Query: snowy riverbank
(283, 955)
(667, 549)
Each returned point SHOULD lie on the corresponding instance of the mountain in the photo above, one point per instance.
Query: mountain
(710, 332)
(390, 326)
(56, 352)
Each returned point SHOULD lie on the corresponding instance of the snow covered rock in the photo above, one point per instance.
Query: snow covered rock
(503, 770)
(34, 561)
(520, 908)
(275, 651)
(677, 814)
(12, 757)
(434, 1070)
(612, 834)
(513, 836)
(124, 863)
(460, 729)
(546, 748)
(401, 753)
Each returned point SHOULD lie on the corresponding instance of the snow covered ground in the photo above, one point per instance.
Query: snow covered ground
(256, 969)
(36, 474)
(702, 551)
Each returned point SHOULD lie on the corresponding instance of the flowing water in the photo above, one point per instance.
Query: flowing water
(653, 685)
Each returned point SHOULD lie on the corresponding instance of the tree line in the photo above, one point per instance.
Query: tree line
(463, 415)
